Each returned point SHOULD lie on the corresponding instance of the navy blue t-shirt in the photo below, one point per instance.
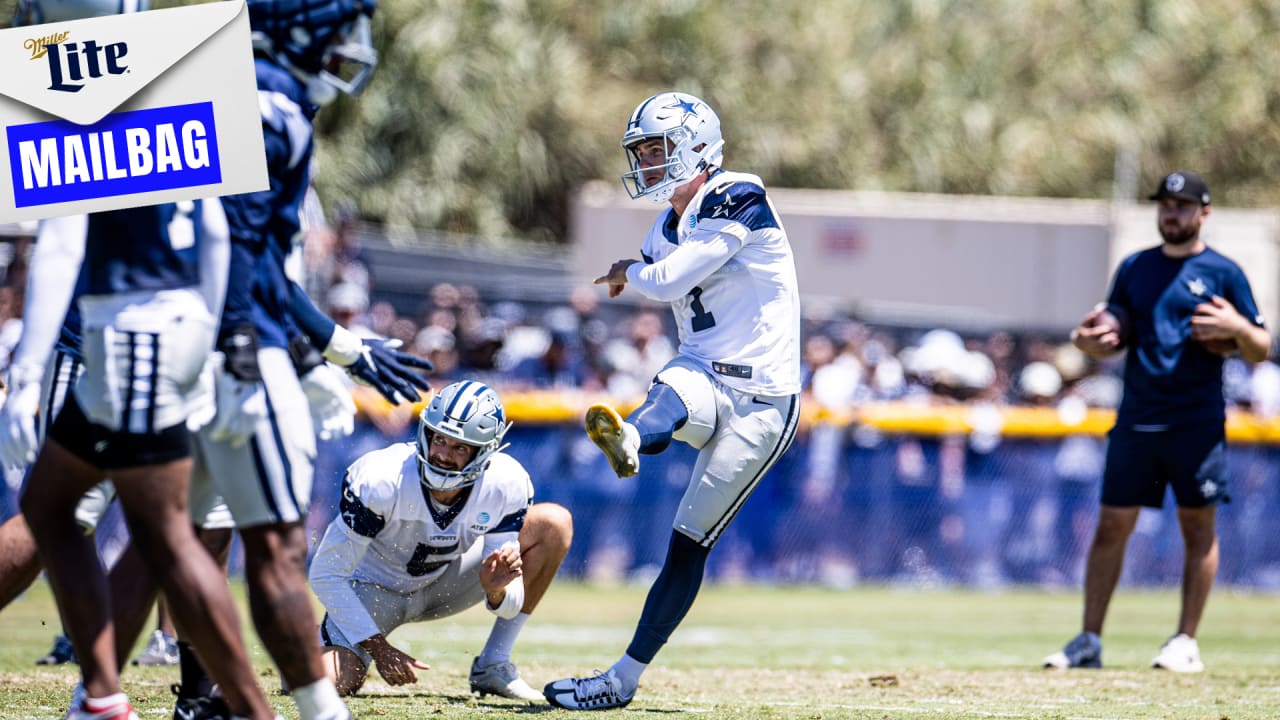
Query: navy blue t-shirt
(1168, 378)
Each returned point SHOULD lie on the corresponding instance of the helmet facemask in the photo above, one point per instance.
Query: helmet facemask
(691, 131)
(470, 413)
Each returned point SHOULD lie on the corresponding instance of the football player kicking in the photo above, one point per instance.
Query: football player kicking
(428, 529)
(720, 256)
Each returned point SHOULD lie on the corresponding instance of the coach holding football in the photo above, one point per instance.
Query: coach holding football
(1178, 308)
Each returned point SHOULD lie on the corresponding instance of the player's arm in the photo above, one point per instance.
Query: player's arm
(215, 254)
(344, 545)
(1218, 319)
(378, 363)
(672, 277)
(502, 569)
(501, 574)
(51, 281)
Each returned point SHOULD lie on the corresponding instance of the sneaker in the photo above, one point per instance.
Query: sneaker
(116, 707)
(501, 679)
(619, 440)
(62, 652)
(1180, 653)
(161, 650)
(601, 691)
(198, 708)
(1084, 651)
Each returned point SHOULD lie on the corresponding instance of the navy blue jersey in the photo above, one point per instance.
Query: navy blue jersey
(1168, 378)
(142, 248)
(264, 224)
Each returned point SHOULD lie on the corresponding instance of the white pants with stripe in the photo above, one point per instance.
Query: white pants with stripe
(267, 479)
(740, 436)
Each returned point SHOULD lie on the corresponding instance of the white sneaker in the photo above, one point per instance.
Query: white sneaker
(1084, 651)
(1180, 653)
(501, 679)
(162, 649)
(619, 439)
(115, 708)
(601, 691)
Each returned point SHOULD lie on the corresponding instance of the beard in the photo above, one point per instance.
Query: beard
(1179, 235)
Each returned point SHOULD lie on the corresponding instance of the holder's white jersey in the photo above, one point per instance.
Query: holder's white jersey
(727, 269)
(389, 533)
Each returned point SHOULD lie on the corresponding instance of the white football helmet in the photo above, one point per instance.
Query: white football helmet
(469, 412)
(694, 143)
(35, 12)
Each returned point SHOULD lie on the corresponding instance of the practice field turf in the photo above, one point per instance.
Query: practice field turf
(784, 652)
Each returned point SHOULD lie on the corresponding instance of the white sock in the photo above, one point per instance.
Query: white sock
(93, 704)
(319, 700)
(501, 639)
(629, 670)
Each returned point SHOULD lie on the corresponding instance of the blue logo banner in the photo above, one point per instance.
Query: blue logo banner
(124, 153)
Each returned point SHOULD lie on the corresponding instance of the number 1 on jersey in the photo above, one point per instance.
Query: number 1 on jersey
(702, 320)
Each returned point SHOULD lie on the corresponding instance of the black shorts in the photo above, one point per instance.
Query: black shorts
(108, 449)
(1190, 458)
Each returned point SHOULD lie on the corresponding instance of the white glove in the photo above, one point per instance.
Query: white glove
(241, 405)
(333, 412)
(18, 441)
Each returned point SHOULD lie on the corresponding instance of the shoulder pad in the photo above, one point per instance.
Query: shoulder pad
(741, 202)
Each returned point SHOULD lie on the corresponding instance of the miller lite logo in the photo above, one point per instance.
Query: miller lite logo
(70, 63)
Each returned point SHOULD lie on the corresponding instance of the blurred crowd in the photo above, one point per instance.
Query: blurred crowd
(977, 509)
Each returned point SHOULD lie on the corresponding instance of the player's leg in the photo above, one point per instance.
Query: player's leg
(141, 383)
(19, 561)
(58, 480)
(155, 502)
(267, 484)
(345, 662)
(1197, 456)
(1131, 479)
(751, 433)
(680, 405)
(544, 542)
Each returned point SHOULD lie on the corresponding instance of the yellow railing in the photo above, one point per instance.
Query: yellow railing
(550, 407)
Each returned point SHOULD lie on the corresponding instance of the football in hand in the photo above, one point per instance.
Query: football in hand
(1114, 319)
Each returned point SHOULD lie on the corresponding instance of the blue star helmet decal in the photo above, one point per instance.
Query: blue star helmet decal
(686, 106)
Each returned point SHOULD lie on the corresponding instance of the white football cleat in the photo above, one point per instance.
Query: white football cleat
(501, 679)
(162, 649)
(619, 439)
(1180, 653)
(1084, 651)
(601, 691)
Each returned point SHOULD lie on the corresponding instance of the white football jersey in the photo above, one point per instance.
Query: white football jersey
(389, 533)
(727, 269)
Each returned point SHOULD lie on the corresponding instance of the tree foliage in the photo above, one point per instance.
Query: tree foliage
(485, 115)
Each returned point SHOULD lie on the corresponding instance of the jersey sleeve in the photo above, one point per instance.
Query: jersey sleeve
(1119, 294)
(368, 498)
(336, 559)
(701, 253)
(1239, 293)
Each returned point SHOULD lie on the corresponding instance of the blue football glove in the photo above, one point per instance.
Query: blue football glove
(395, 374)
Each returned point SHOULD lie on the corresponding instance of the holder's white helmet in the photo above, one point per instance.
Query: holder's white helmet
(694, 143)
(469, 412)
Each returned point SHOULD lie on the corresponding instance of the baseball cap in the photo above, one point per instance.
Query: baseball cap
(1184, 185)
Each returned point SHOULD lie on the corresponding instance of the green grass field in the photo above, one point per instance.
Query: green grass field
(785, 652)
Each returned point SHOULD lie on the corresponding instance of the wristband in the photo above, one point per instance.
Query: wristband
(344, 347)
